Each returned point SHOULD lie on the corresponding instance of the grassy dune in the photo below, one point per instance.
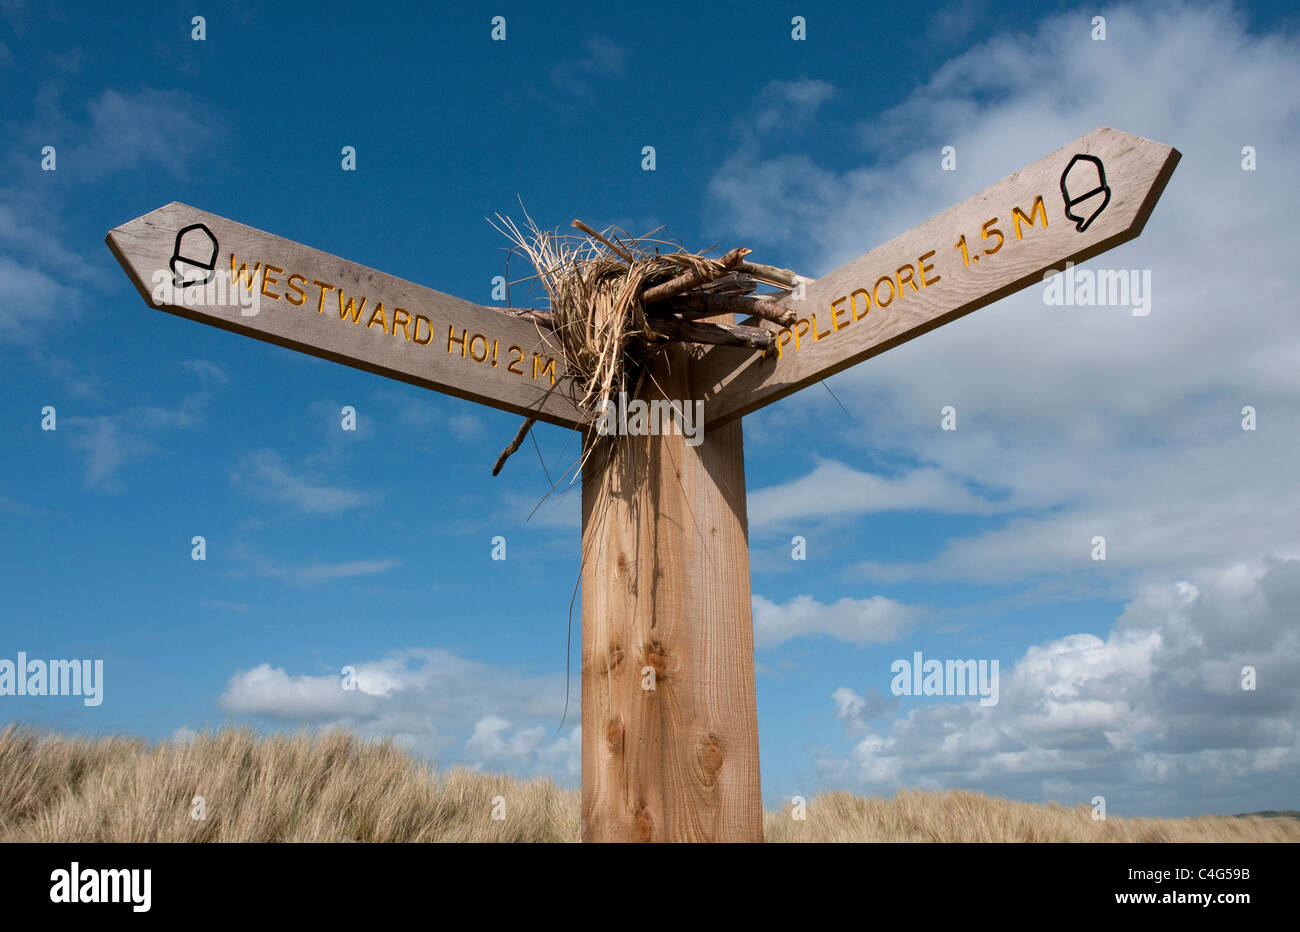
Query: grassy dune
(333, 787)
(284, 788)
(958, 815)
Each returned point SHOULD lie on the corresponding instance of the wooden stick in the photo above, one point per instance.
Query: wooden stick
(664, 311)
(681, 257)
(692, 279)
(771, 310)
(702, 305)
(718, 334)
(770, 274)
(545, 318)
(618, 250)
(524, 428)
(731, 283)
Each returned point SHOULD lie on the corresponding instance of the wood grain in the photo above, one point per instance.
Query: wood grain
(145, 246)
(665, 585)
(736, 382)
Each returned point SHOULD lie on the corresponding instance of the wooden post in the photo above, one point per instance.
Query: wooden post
(669, 727)
(666, 603)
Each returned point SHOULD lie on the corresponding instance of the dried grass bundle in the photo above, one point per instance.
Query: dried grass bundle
(597, 289)
(615, 300)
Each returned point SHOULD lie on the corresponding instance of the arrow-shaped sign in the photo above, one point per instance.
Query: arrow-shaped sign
(206, 268)
(1081, 200)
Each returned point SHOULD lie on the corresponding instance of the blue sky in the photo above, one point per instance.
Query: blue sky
(372, 548)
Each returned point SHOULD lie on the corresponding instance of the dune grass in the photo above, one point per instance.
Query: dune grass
(334, 787)
(958, 815)
(329, 787)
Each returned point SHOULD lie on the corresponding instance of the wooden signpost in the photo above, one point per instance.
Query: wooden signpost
(985, 248)
(181, 259)
(669, 728)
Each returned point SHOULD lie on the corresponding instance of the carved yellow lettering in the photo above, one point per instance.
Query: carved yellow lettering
(268, 280)
(377, 315)
(836, 311)
(782, 338)
(906, 278)
(549, 367)
(402, 317)
(1035, 209)
(451, 338)
(817, 336)
(875, 291)
(799, 333)
(320, 306)
(476, 357)
(853, 302)
(302, 295)
(421, 319)
(243, 276)
(920, 264)
(351, 309)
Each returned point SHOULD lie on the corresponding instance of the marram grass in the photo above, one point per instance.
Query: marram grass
(327, 787)
(335, 787)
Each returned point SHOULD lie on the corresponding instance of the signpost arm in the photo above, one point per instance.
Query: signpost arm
(1079, 201)
(669, 724)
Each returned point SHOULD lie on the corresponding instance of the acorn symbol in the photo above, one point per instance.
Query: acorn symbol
(194, 257)
(1085, 173)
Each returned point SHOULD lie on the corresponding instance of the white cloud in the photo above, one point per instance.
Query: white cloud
(436, 703)
(318, 571)
(578, 81)
(265, 474)
(1088, 421)
(852, 707)
(1153, 717)
(955, 20)
(561, 509)
(833, 489)
(111, 441)
(466, 427)
(784, 105)
(311, 569)
(490, 742)
(43, 300)
(495, 743)
(857, 711)
(848, 704)
(270, 692)
(209, 373)
(167, 128)
(856, 621)
(108, 445)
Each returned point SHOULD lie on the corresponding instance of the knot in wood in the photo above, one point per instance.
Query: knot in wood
(645, 826)
(710, 756)
(657, 656)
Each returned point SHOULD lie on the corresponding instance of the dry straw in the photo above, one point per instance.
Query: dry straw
(615, 300)
(595, 286)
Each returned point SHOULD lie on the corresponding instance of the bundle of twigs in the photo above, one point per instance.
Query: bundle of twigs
(614, 298)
